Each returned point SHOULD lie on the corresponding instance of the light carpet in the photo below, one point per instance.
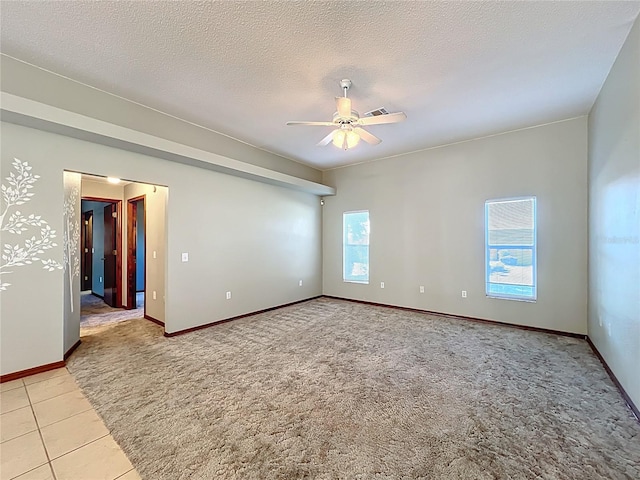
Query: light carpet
(95, 314)
(334, 389)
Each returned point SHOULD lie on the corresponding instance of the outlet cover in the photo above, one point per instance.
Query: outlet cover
(464, 294)
(228, 295)
(421, 288)
(154, 294)
(300, 283)
(381, 284)
(185, 257)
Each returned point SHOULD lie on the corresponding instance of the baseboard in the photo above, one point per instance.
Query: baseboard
(71, 350)
(96, 295)
(225, 320)
(625, 396)
(473, 319)
(31, 371)
(154, 320)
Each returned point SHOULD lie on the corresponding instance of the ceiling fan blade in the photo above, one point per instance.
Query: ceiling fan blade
(343, 105)
(326, 140)
(380, 119)
(366, 136)
(318, 124)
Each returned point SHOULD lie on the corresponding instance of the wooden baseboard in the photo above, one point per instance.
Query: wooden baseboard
(625, 396)
(71, 350)
(31, 371)
(154, 320)
(225, 320)
(473, 319)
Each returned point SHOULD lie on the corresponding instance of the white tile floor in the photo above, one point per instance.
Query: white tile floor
(49, 431)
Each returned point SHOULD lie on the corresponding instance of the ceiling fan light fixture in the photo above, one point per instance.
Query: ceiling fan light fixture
(352, 139)
(345, 139)
(339, 138)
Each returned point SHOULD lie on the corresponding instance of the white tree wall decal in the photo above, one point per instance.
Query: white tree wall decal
(70, 239)
(15, 193)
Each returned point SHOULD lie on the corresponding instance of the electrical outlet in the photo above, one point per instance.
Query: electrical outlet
(228, 295)
(101, 282)
(464, 294)
(154, 254)
(300, 283)
(421, 288)
(381, 284)
(185, 257)
(154, 295)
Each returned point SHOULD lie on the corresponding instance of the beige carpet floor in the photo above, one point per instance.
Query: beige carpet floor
(333, 389)
(95, 314)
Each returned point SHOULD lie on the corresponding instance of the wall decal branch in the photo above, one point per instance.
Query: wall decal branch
(71, 239)
(16, 192)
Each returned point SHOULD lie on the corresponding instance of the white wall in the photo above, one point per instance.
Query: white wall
(614, 218)
(427, 224)
(254, 239)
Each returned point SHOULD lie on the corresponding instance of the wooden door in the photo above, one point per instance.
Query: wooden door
(132, 247)
(86, 259)
(111, 255)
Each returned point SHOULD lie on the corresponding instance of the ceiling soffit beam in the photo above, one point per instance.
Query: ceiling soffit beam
(29, 113)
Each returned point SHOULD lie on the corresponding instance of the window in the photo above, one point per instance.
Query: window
(510, 237)
(355, 242)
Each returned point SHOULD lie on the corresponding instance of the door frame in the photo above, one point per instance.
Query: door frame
(131, 221)
(118, 204)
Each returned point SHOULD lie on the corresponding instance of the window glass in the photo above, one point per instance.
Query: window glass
(355, 243)
(510, 234)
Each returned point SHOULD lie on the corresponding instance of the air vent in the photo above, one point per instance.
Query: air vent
(377, 112)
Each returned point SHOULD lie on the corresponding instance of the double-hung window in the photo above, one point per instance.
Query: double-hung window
(355, 244)
(510, 240)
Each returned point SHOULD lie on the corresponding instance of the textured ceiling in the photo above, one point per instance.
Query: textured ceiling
(459, 70)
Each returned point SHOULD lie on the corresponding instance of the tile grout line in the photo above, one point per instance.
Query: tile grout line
(62, 419)
(44, 447)
(82, 446)
(128, 471)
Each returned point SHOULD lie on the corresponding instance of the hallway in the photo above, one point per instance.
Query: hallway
(95, 315)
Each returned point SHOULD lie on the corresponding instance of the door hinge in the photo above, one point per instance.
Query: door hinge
(86, 222)
(86, 278)
(114, 214)
(86, 250)
(115, 252)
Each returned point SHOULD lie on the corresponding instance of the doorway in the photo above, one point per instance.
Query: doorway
(136, 249)
(101, 259)
(86, 249)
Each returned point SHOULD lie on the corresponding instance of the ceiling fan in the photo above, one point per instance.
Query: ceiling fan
(349, 125)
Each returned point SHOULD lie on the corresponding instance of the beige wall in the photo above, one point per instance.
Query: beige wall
(253, 239)
(427, 224)
(102, 190)
(614, 218)
(155, 200)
